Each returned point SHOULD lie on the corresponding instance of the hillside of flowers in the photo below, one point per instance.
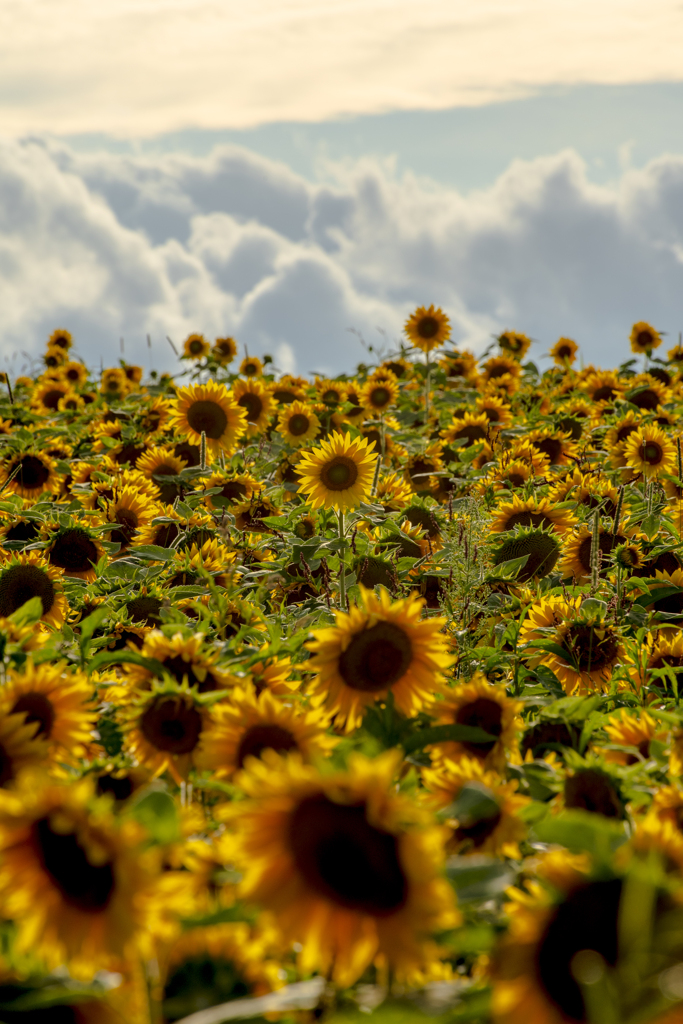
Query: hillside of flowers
(333, 699)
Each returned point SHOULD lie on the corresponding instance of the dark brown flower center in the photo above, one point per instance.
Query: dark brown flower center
(515, 479)
(73, 551)
(651, 452)
(207, 416)
(181, 669)
(331, 397)
(120, 786)
(551, 447)
(345, 859)
(564, 352)
(264, 737)
(51, 398)
(87, 887)
(605, 543)
(37, 708)
(603, 393)
(645, 399)
(644, 339)
(196, 347)
(591, 790)
(145, 609)
(590, 652)
(472, 431)
(623, 432)
(482, 713)
(376, 658)
(19, 583)
(284, 397)
(253, 405)
(298, 424)
(428, 327)
(33, 473)
(586, 919)
(379, 397)
(339, 473)
(6, 766)
(172, 724)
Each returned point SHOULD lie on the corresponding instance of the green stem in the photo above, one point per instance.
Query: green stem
(342, 562)
(427, 379)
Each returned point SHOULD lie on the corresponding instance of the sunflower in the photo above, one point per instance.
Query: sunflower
(338, 474)
(224, 350)
(129, 511)
(233, 487)
(564, 351)
(188, 660)
(644, 338)
(54, 357)
(629, 730)
(379, 646)
(541, 546)
(46, 396)
(500, 831)
(483, 705)
(163, 728)
(248, 724)
(514, 472)
(589, 490)
(649, 451)
(458, 365)
(255, 398)
(356, 414)
(114, 382)
(191, 566)
(75, 549)
(501, 366)
(531, 512)
(32, 473)
(665, 657)
(56, 704)
(603, 386)
(19, 531)
(289, 389)
(61, 338)
(76, 881)
(29, 575)
(160, 462)
(592, 645)
(496, 410)
(71, 402)
(428, 328)
(298, 424)
(420, 466)
(576, 563)
(379, 394)
(468, 427)
(249, 515)
(195, 346)
(558, 445)
(20, 745)
(251, 366)
(155, 418)
(648, 393)
(347, 866)
(210, 409)
(393, 492)
(515, 344)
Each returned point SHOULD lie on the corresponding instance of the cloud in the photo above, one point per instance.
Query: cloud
(119, 246)
(134, 68)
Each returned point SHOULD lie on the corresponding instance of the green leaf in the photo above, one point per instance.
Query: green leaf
(650, 525)
(156, 811)
(446, 733)
(152, 552)
(478, 878)
(582, 831)
(123, 657)
(90, 624)
(29, 613)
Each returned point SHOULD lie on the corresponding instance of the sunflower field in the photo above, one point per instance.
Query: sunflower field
(333, 699)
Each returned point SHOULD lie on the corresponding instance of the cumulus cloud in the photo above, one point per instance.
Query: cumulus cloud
(113, 246)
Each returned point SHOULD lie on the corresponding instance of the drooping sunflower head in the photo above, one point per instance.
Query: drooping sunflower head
(26, 576)
(541, 547)
(211, 410)
(254, 396)
(224, 350)
(428, 328)
(195, 346)
(338, 474)
(482, 705)
(515, 344)
(379, 646)
(75, 549)
(644, 337)
(346, 851)
(298, 424)
(564, 351)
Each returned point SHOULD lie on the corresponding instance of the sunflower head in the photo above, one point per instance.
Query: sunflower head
(515, 344)
(564, 351)
(208, 409)
(27, 576)
(60, 338)
(644, 337)
(542, 549)
(428, 328)
(485, 706)
(75, 549)
(251, 367)
(378, 394)
(224, 350)
(195, 346)
(338, 474)
(298, 424)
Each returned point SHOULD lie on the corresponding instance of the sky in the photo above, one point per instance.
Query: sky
(302, 174)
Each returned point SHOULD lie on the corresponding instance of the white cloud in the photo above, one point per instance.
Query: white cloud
(139, 67)
(114, 246)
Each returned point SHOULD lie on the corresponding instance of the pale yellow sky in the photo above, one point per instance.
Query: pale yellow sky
(141, 67)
